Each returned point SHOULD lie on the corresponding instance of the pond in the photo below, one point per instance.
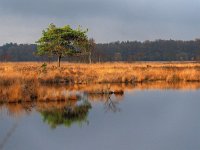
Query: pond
(150, 116)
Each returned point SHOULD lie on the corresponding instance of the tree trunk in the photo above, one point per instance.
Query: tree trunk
(90, 58)
(99, 59)
(59, 58)
(49, 60)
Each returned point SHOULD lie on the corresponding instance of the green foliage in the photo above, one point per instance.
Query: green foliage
(44, 67)
(62, 41)
(67, 116)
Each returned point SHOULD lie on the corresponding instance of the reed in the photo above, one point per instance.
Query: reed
(36, 92)
(77, 73)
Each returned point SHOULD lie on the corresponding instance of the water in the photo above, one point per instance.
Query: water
(141, 119)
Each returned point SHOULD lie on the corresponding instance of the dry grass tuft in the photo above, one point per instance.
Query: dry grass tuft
(74, 73)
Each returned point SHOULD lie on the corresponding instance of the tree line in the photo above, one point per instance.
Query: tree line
(158, 50)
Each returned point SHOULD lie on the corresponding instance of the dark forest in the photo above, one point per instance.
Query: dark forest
(158, 50)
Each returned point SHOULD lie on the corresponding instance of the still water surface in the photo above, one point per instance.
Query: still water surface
(153, 119)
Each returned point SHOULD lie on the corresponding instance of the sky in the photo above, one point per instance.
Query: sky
(22, 21)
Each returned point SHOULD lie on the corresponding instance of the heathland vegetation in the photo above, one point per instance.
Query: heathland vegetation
(76, 73)
(91, 67)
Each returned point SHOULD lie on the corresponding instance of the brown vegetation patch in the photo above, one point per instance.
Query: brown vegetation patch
(75, 73)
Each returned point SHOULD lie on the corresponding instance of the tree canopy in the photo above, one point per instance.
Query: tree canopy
(62, 41)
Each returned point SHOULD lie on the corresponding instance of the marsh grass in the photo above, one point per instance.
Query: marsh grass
(37, 92)
(16, 101)
(76, 73)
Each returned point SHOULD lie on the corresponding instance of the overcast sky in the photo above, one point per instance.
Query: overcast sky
(22, 21)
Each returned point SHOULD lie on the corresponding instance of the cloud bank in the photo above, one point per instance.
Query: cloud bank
(107, 20)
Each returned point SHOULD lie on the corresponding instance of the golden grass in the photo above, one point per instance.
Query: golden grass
(19, 93)
(99, 73)
(16, 98)
(23, 86)
(75, 73)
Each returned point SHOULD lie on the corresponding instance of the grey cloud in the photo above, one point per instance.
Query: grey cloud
(136, 9)
(61, 8)
(107, 20)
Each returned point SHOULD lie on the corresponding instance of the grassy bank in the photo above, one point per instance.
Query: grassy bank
(19, 99)
(19, 93)
(75, 73)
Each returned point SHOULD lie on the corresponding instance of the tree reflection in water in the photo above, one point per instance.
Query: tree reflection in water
(67, 115)
(77, 113)
(111, 105)
(110, 100)
(59, 105)
(68, 105)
